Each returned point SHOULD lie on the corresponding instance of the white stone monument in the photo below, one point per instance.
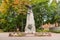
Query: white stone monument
(30, 24)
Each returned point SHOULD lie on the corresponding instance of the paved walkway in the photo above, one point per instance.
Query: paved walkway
(4, 36)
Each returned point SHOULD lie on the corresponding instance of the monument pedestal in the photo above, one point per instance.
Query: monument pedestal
(30, 35)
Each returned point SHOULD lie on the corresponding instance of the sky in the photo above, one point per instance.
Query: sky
(51, 1)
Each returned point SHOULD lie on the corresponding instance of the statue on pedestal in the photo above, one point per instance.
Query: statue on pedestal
(30, 24)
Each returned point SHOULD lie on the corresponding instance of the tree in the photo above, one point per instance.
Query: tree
(11, 10)
(40, 13)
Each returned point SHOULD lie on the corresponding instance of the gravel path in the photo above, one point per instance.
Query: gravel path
(4, 36)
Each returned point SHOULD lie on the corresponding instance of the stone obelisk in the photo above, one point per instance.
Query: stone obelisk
(30, 23)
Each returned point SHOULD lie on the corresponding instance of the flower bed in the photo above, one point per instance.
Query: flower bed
(43, 34)
(16, 34)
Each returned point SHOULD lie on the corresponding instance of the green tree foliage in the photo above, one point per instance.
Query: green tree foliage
(13, 13)
(44, 13)
(10, 11)
(40, 13)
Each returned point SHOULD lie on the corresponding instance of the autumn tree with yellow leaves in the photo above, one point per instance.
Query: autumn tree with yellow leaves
(13, 12)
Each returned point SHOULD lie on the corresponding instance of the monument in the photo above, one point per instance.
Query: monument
(30, 24)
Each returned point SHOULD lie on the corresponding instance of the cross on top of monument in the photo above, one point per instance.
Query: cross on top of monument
(29, 6)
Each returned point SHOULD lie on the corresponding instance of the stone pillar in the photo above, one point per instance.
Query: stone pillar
(30, 24)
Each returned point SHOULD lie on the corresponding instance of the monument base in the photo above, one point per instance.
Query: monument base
(29, 32)
(30, 35)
